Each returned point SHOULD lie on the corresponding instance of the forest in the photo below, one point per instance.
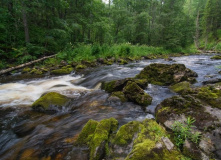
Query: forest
(86, 29)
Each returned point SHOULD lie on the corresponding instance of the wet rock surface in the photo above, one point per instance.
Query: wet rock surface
(202, 104)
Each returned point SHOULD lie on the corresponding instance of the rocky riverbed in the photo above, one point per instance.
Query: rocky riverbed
(115, 112)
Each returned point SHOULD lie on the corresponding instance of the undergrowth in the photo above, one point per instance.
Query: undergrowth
(183, 131)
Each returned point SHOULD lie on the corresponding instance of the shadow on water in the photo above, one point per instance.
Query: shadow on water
(24, 132)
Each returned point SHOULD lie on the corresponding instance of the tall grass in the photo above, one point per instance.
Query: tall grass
(92, 52)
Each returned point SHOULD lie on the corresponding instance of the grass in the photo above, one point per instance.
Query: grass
(92, 52)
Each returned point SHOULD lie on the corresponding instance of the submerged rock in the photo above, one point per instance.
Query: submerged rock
(166, 74)
(216, 57)
(50, 102)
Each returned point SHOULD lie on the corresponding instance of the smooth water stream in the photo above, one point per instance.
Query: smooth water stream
(50, 135)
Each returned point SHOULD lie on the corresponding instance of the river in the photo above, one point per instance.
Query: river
(43, 135)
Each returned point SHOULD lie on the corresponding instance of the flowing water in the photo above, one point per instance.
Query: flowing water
(24, 132)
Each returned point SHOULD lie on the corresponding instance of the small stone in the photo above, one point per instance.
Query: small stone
(169, 145)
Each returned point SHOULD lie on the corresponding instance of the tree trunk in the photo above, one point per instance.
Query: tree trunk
(24, 65)
(25, 23)
(197, 34)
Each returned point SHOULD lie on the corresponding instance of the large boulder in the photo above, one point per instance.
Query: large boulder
(203, 105)
(166, 74)
(129, 89)
(118, 85)
(96, 135)
(134, 140)
(50, 102)
(136, 94)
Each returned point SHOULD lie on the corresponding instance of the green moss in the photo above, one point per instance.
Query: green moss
(145, 145)
(26, 70)
(122, 61)
(180, 87)
(142, 83)
(36, 71)
(49, 99)
(134, 93)
(80, 66)
(120, 95)
(126, 133)
(63, 70)
(87, 133)
(96, 136)
(165, 74)
(216, 57)
(108, 62)
(109, 86)
(99, 142)
(210, 95)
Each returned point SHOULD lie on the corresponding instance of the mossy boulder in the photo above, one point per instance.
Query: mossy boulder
(108, 61)
(120, 95)
(36, 71)
(152, 142)
(26, 70)
(210, 95)
(122, 61)
(166, 74)
(134, 140)
(89, 63)
(126, 133)
(181, 87)
(96, 136)
(64, 70)
(207, 121)
(136, 94)
(80, 66)
(118, 85)
(50, 102)
(217, 57)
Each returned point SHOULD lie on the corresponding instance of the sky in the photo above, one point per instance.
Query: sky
(105, 1)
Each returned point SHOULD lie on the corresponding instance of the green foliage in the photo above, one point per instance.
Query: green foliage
(183, 131)
(125, 28)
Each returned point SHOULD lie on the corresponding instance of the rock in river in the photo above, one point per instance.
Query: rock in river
(50, 102)
(166, 74)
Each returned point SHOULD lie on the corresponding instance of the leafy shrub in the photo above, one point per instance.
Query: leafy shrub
(125, 50)
(183, 131)
(95, 50)
(26, 58)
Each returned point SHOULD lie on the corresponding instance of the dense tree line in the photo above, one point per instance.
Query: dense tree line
(29, 29)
